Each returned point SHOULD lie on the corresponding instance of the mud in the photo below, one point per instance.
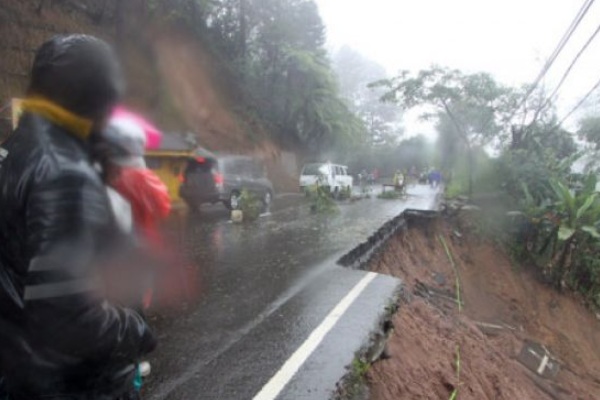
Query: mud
(503, 305)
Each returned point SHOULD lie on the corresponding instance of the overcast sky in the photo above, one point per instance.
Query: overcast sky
(511, 39)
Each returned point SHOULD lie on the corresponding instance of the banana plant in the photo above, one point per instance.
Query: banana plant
(577, 219)
(576, 212)
(564, 221)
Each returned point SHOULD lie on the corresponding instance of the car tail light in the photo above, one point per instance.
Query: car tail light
(218, 178)
(181, 178)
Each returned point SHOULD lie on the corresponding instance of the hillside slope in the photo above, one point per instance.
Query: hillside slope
(172, 76)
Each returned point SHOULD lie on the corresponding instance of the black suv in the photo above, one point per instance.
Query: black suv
(221, 178)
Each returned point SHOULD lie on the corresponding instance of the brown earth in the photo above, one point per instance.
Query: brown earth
(431, 333)
(198, 95)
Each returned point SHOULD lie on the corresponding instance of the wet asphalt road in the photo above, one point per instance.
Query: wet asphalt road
(263, 288)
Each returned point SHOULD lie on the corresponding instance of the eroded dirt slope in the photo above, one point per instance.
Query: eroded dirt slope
(430, 331)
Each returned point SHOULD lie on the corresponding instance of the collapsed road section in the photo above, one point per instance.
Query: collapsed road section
(471, 324)
(278, 311)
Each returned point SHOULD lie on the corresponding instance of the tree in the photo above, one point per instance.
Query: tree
(388, 158)
(277, 50)
(474, 104)
(589, 130)
(546, 153)
(312, 107)
(355, 72)
(414, 152)
(449, 145)
(278, 72)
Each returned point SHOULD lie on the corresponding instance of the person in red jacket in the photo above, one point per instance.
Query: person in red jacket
(126, 173)
(140, 202)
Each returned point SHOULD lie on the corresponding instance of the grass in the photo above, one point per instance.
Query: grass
(360, 367)
(390, 195)
(457, 278)
(353, 384)
(454, 394)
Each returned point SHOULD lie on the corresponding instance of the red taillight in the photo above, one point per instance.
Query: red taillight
(181, 178)
(218, 178)
(200, 160)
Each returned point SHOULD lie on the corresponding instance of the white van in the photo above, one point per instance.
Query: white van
(333, 176)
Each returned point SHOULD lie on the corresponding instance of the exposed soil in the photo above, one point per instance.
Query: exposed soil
(200, 94)
(430, 330)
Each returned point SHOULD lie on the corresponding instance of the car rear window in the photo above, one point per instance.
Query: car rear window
(199, 166)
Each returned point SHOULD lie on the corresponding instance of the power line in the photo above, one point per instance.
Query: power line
(587, 95)
(567, 72)
(561, 44)
(578, 18)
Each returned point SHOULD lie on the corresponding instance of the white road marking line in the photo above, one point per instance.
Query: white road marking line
(272, 389)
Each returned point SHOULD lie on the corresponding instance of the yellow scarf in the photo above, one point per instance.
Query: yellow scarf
(74, 124)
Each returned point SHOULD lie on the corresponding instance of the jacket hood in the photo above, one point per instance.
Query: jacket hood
(78, 72)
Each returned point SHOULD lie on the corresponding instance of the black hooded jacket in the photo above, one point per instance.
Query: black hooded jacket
(58, 336)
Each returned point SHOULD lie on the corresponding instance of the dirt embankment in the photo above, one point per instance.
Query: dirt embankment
(201, 97)
(503, 307)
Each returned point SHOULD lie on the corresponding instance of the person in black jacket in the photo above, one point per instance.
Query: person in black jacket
(59, 337)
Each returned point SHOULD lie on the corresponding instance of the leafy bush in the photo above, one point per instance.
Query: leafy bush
(320, 199)
(250, 206)
(562, 235)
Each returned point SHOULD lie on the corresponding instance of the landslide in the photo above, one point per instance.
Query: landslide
(433, 340)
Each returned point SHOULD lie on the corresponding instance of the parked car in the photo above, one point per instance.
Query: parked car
(222, 178)
(333, 176)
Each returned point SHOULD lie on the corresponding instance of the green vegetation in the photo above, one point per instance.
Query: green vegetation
(589, 129)
(457, 289)
(275, 64)
(321, 201)
(561, 209)
(526, 167)
(563, 235)
(456, 275)
(468, 109)
(391, 155)
(250, 206)
(454, 394)
(390, 195)
(353, 385)
(360, 367)
(275, 49)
